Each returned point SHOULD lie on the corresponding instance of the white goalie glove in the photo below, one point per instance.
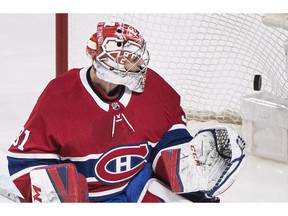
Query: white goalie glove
(209, 163)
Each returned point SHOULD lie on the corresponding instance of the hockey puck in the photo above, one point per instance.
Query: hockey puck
(257, 83)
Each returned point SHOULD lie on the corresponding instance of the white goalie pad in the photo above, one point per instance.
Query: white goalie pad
(58, 183)
(209, 163)
(158, 189)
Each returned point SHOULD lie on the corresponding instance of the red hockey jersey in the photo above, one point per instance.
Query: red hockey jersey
(110, 142)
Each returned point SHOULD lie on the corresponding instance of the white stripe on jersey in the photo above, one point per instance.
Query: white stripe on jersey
(83, 78)
(91, 179)
(34, 155)
(177, 126)
(85, 158)
(152, 144)
(124, 100)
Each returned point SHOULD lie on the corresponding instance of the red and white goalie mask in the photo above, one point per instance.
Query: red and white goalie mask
(119, 55)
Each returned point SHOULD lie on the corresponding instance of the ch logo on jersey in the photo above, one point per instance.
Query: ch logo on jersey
(121, 163)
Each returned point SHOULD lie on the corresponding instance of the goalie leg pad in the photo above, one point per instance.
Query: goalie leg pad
(58, 183)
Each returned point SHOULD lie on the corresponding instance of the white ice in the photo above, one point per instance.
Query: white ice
(27, 64)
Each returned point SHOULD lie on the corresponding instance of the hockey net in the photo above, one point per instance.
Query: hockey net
(209, 59)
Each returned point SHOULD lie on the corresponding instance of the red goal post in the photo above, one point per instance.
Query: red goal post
(210, 59)
(61, 25)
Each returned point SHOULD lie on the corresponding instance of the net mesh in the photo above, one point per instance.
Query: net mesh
(223, 144)
(209, 59)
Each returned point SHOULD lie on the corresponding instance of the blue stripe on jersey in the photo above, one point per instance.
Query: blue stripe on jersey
(86, 168)
(171, 138)
(19, 164)
(114, 197)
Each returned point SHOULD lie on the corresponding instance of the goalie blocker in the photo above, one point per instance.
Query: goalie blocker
(58, 183)
(209, 163)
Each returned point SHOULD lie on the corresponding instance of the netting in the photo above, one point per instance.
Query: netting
(210, 59)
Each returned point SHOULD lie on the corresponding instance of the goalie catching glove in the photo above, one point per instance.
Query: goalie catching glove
(209, 163)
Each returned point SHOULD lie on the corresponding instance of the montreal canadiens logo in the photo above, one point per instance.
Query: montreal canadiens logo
(122, 163)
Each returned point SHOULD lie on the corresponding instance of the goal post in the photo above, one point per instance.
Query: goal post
(61, 38)
(211, 60)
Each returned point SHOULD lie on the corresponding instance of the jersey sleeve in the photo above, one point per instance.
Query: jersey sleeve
(36, 145)
(177, 135)
(177, 132)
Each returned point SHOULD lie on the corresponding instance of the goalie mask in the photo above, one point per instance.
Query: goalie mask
(119, 55)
